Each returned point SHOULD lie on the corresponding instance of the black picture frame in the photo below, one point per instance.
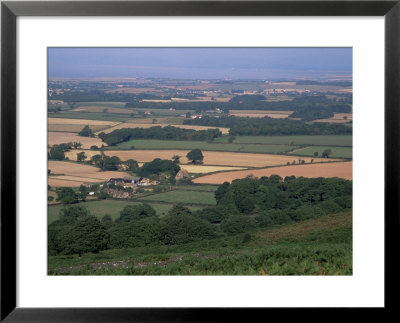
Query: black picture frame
(10, 10)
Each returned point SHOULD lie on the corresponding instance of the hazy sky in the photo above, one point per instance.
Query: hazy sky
(197, 63)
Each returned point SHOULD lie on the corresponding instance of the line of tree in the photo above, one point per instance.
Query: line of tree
(157, 132)
(270, 127)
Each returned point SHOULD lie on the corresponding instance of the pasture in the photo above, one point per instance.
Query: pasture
(111, 207)
(56, 138)
(203, 145)
(98, 116)
(104, 109)
(182, 196)
(337, 152)
(341, 169)
(328, 140)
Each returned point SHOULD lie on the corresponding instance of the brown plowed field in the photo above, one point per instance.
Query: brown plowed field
(56, 138)
(73, 172)
(342, 169)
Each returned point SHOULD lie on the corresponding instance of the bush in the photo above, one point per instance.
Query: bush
(180, 229)
(135, 212)
(306, 212)
(86, 235)
(135, 234)
(330, 207)
(238, 224)
(272, 217)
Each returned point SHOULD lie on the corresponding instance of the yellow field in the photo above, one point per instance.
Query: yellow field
(338, 118)
(76, 125)
(56, 138)
(71, 155)
(261, 113)
(73, 174)
(201, 169)
(149, 125)
(162, 120)
(211, 158)
(342, 169)
(101, 109)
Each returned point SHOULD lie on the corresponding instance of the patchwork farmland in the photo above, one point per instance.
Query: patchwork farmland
(341, 169)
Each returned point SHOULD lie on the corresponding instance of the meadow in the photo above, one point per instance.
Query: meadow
(112, 207)
(337, 152)
(203, 145)
(330, 140)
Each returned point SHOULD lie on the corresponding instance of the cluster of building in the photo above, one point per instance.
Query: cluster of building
(129, 181)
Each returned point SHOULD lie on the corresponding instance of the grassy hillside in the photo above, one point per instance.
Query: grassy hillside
(321, 246)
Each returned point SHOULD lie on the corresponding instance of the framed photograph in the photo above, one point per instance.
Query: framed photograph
(178, 160)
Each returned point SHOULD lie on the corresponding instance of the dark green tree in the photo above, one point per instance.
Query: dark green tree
(86, 235)
(86, 132)
(135, 212)
(56, 153)
(132, 165)
(326, 153)
(81, 156)
(195, 155)
(66, 195)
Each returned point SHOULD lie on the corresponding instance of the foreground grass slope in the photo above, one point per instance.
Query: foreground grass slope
(321, 246)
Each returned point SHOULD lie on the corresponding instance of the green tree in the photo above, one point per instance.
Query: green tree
(132, 165)
(176, 159)
(238, 224)
(195, 155)
(76, 145)
(82, 192)
(57, 153)
(86, 132)
(316, 154)
(81, 156)
(86, 235)
(66, 195)
(326, 153)
(135, 212)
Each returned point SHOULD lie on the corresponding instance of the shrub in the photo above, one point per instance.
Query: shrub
(238, 224)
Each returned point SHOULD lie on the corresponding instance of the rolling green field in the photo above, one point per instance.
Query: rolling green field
(206, 198)
(203, 145)
(339, 140)
(111, 207)
(344, 152)
(101, 104)
(91, 116)
(321, 246)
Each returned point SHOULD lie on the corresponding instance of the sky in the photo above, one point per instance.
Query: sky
(200, 63)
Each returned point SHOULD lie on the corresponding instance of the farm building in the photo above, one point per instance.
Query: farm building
(182, 174)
